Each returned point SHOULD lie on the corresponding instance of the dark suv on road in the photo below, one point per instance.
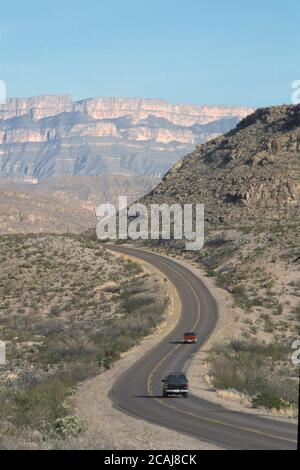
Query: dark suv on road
(175, 383)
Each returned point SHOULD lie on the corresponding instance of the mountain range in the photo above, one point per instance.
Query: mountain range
(52, 136)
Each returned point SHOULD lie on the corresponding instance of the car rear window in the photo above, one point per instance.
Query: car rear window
(180, 379)
(190, 334)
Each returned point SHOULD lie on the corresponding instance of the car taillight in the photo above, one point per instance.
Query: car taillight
(186, 386)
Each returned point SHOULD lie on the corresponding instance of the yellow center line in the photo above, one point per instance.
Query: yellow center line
(203, 418)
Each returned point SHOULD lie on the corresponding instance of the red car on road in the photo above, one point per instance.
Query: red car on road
(190, 337)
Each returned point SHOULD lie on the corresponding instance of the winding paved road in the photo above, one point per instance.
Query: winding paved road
(138, 389)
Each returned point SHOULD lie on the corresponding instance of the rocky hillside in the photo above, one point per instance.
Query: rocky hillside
(52, 136)
(249, 181)
(251, 175)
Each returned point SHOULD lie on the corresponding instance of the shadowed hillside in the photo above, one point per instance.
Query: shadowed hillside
(249, 181)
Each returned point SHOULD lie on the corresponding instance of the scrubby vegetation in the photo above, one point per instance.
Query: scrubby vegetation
(258, 370)
(68, 309)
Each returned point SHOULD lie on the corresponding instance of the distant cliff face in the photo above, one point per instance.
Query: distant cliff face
(50, 136)
(37, 107)
(139, 109)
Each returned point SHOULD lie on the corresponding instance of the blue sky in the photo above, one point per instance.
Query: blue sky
(193, 51)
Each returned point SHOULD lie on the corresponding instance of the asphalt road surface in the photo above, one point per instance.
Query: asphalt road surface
(138, 391)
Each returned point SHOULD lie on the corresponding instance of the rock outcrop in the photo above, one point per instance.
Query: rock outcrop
(250, 175)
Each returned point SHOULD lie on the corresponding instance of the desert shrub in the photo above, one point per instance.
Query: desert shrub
(133, 303)
(275, 351)
(49, 328)
(243, 374)
(241, 297)
(69, 426)
(132, 267)
(66, 350)
(118, 335)
(296, 312)
(136, 288)
(27, 378)
(257, 369)
(36, 407)
(55, 310)
(269, 400)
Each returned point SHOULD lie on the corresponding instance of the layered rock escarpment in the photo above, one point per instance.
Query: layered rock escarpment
(185, 115)
(179, 114)
(51, 136)
(37, 107)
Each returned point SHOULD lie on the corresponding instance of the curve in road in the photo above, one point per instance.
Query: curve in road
(138, 390)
